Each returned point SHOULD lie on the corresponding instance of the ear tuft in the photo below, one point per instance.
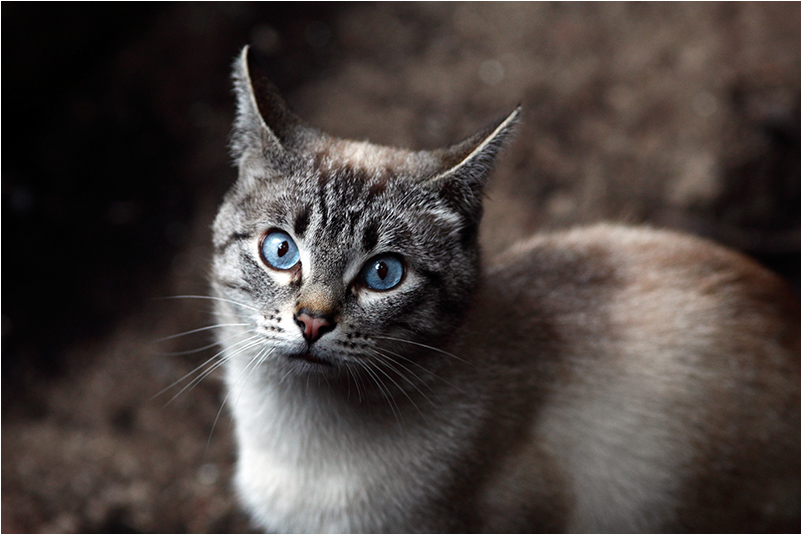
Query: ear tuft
(264, 122)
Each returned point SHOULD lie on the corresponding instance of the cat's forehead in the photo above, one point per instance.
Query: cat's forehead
(331, 154)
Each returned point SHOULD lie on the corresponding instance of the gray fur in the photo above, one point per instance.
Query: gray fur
(603, 379)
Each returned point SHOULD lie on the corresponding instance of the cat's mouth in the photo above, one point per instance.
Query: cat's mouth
(307, 356)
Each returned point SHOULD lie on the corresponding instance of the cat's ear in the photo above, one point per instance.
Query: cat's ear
(264, 123)
(465, 166)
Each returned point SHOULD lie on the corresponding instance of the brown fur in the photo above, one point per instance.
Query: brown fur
(596, 300)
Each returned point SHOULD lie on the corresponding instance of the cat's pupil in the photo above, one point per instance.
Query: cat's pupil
(381, 270)
(283, 248)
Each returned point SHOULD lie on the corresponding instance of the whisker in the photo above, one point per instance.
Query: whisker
(252, 365)
(202, 329)
(287, 374)
(384, 392)
(209, 297)
(389, 362)
(392, 363)
(198, 350)
(388, 354)
(213, 357)
(360, 380)
(349, 368)
(250, 342)
(425, 346)
(411, 361)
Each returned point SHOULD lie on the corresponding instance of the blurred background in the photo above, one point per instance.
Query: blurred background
(115, 122)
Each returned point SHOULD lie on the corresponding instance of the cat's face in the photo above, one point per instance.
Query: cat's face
(369, 252)
(338, 256)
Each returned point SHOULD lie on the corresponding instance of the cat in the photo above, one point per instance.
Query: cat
(381, 377)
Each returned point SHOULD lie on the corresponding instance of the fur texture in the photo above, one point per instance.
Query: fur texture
(604, 379)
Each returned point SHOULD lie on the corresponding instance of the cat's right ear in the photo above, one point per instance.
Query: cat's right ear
(264, 125)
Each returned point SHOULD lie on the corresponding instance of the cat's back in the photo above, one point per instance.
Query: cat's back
(647, 279)
(670, 375)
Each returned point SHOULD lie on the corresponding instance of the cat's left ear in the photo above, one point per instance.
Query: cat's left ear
(466, 165)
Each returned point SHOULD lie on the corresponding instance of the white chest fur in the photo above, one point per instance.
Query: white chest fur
(304, 467)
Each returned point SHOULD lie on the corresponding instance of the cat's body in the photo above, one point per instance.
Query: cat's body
(603, 379)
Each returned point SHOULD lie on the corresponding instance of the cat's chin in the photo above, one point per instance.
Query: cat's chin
(308, 357)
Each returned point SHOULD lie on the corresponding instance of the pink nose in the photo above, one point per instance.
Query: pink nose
(313, 326)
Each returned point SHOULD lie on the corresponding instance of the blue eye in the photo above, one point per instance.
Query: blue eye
(279, 251)
(383, 272)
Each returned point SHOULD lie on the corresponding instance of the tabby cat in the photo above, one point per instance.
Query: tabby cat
(383, 378)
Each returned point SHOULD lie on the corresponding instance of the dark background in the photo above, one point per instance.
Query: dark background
(115, 123)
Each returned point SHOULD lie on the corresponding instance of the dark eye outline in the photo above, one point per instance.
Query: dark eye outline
(263, 257)
(372, 262)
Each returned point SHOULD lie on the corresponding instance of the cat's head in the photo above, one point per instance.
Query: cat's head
(339, 251)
